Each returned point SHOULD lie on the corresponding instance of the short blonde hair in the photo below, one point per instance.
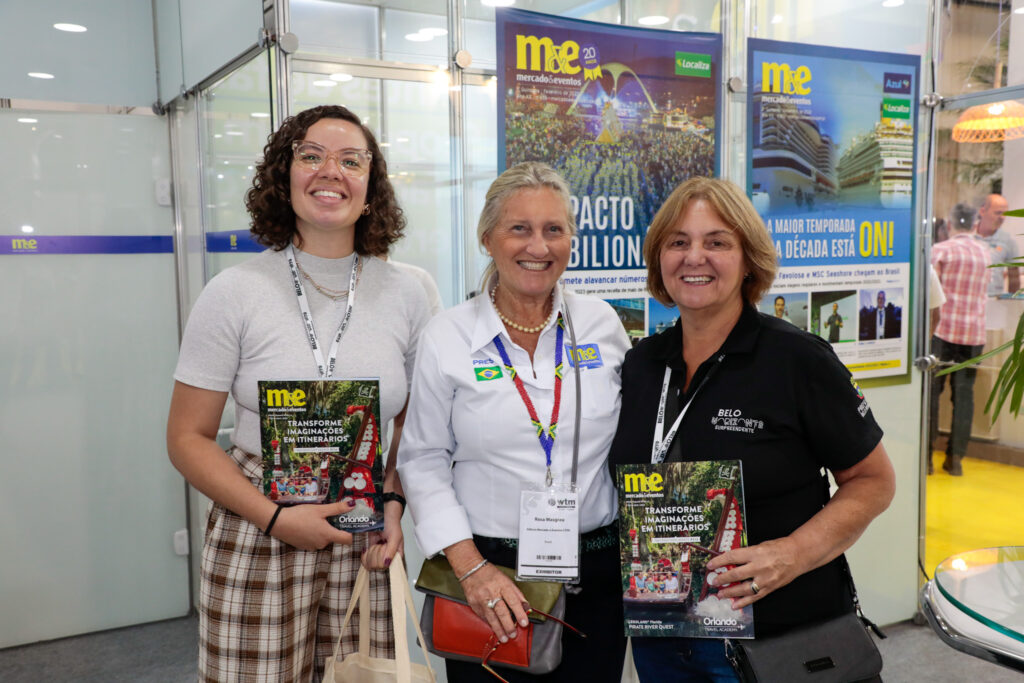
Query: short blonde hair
(733, 207)
(528, 175)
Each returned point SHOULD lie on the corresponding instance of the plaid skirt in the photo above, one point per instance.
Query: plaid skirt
(271, 612)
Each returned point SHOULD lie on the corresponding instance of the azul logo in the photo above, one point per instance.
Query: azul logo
(487, 374)
(21, 244)
(541, 54)
(895, 109)
(781, 78)
(648, 483)
(897, 83)
(588, 355)
(283, 397)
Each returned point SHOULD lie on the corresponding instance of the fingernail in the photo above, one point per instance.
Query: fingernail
(381, 542)
(524, 623)
(351, 503)
(387, 562)
(504, 639)
(514, 634)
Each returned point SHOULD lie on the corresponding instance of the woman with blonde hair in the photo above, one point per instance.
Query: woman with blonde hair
(487, 397)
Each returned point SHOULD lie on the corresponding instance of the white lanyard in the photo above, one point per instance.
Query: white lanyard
(660, 447)
(325, 369)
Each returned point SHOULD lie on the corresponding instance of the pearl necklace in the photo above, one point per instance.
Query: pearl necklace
(332, 294)
(517, 326)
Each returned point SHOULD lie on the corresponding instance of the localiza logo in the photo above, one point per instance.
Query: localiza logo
(895, 109)
(693, 64)
(897, 83)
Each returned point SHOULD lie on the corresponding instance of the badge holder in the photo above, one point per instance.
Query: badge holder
(549, 515)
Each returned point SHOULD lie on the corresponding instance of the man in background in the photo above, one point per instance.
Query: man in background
(834, 324)
(780, 309)
(1002, 246)
(882, 322)
(961, 263)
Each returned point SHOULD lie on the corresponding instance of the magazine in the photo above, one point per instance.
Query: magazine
(673, 518)
(321, 444)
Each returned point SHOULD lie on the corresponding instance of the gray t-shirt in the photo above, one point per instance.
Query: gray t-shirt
(1002, 248)
(246, 326)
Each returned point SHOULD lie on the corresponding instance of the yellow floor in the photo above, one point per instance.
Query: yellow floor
(981, 509)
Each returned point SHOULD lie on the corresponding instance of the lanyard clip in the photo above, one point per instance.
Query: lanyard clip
(549, 479)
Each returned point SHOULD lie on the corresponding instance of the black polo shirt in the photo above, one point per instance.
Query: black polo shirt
(782, 403)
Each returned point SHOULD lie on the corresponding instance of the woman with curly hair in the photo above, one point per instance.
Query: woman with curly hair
(275, 581)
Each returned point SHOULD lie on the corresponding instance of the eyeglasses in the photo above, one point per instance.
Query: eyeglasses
(352, 162)
(493, 643)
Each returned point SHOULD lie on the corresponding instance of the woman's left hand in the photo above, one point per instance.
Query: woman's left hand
(766, 566)
(383, 545)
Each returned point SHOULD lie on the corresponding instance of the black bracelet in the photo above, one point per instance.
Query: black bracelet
(266, 532)
(389, 496)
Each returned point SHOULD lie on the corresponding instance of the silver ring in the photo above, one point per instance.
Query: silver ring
(492, 603)
(754, 587)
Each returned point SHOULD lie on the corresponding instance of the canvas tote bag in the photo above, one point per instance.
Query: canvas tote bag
(360, 667)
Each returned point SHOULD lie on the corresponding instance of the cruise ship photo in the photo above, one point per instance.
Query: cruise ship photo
(793, 160)
(877, 168)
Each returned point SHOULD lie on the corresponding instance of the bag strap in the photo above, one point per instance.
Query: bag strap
(845, 563)
(360, 596)
(401, 593)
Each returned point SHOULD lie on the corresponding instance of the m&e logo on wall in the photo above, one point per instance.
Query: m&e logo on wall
(22, 244)
(541, 54)
(781, 78)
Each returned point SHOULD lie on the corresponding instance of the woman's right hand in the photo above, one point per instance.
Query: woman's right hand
(488, 583)
(306, 526)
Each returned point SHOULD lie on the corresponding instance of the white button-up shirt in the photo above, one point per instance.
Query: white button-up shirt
(468, 447)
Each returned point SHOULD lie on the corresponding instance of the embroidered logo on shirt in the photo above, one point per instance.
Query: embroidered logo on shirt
(588, 355)
(487, 374)
(732, 420)
(862, 409)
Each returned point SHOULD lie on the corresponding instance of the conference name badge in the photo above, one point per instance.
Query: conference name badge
(549, 534)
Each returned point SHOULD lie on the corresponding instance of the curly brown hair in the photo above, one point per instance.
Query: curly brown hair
(269, 199)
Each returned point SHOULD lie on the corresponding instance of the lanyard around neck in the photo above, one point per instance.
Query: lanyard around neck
(325, 369)
(660, 446)
(547, 440)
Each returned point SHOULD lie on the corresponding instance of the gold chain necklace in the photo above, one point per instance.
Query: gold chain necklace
(332, 294)
(517, 326)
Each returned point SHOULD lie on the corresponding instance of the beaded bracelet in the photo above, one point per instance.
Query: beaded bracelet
(473, 570)
(389, 496)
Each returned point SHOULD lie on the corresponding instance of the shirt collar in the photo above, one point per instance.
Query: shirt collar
(741, 339)
(489, 325)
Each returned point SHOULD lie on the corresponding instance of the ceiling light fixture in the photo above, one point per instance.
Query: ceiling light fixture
(326, 83)
(40, 74)
(653, 20)
(341, 78)
(418, 37)
(28, 120)
(71, 28)
(892, 3)
(777, 19)
(260, 115)
(434, 32)
(497, 3)
(27, 228)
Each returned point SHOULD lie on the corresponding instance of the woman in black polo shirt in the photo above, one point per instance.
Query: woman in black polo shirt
(709, 253)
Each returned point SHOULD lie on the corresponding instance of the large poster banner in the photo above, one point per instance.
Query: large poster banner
(625, 115)
(831, 168)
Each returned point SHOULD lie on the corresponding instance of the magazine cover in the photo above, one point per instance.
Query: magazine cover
(673, 518)
(321, 444)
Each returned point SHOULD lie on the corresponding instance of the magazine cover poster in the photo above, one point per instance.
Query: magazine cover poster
(321, 444)
(624, 114)
(673, 518)
(831, 168)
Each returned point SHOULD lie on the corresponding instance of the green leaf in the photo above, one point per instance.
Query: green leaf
(977, 359)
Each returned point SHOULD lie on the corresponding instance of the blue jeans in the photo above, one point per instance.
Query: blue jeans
(962, 387)
(682, 660)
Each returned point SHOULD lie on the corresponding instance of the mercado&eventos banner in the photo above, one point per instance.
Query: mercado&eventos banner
(624, 114)
(831, 153)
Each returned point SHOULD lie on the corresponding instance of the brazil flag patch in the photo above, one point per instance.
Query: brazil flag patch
(488, 373)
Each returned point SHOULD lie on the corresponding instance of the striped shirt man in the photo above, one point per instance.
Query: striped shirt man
(961, 263)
